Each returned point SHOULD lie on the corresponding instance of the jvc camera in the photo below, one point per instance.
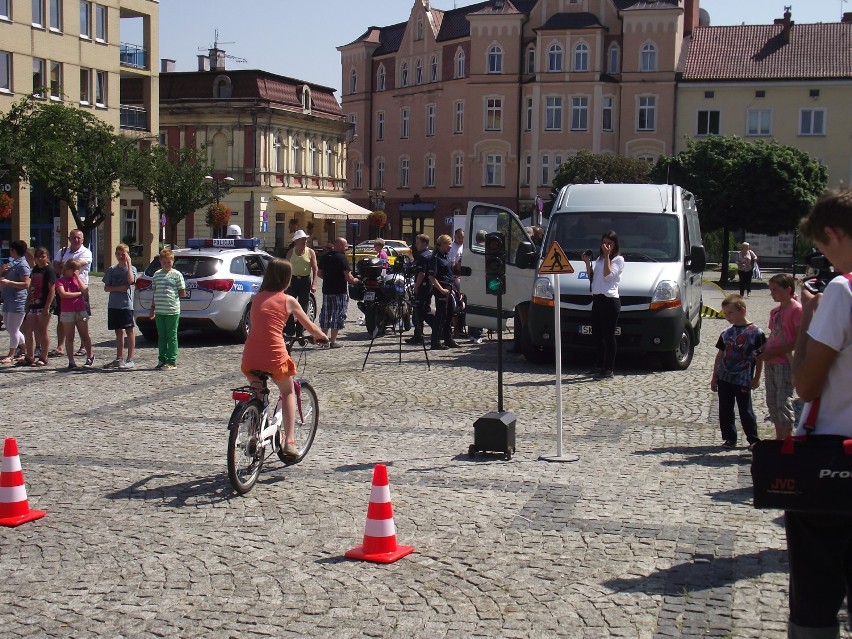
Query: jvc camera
(824, 272)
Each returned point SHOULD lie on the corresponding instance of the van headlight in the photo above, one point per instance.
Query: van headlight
(666, 295)
(542, 291)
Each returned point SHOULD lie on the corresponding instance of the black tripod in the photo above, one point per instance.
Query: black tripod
(398, 305)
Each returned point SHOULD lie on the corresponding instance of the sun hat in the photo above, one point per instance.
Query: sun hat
(298, 235)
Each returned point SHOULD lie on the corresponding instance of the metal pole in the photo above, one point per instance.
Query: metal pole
(500, 353)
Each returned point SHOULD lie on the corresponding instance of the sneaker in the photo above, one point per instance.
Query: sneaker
(290, 450)
(414, 339)
(451, 343)
(440, 347)
(116, 363)
(604, 375)
(160, 366)
(478, 340)
(127, 365)
(729, 443)
(90, 360)
(335, 345)
(169, 367)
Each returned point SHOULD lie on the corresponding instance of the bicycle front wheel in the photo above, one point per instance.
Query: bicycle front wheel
(245, 456)
(307, 420)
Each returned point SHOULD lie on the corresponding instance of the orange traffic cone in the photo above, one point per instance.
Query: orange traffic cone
(14, 507)
(380, 533)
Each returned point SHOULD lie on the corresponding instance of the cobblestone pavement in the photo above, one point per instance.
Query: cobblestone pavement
(650, 534)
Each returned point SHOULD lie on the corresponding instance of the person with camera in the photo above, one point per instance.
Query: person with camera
(820, 544)
(606, 304)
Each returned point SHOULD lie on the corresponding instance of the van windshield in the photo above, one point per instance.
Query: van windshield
(643, 237)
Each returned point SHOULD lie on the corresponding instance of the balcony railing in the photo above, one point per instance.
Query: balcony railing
(132, 117)
(132, 55)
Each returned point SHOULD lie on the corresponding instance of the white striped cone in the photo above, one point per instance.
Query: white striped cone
(14, 507)
(380, 532)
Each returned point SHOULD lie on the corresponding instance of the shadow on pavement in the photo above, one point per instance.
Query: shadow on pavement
(193, 492)
(711, 456)
(704, 572)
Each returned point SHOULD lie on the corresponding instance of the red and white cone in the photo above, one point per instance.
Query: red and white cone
(14, 507)
(380, 532)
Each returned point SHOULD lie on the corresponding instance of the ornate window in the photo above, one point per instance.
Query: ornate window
(433, 69)
(581, 57)
(648, 57)
(404, 74)
(418, 71)
(460, 62)
(380, 78)
(554, 57)
(495, 59)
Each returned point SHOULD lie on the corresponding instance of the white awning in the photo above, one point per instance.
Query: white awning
(325, 208)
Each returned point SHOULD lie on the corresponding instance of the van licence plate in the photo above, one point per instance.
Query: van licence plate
(585, 329)
(370, 296)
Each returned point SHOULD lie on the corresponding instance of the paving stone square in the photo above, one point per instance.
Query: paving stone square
(651, 534)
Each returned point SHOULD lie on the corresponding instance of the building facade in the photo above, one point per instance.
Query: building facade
(77, 51)
(278, 143)
(485, 102)
(785, 81)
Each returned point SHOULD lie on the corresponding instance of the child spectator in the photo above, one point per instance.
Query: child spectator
(118, 282)
(168, 286)
(72, 311)
(37, 321)
(736, 371)
(784, 322)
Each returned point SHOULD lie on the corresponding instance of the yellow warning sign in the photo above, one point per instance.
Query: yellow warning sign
(555, 261)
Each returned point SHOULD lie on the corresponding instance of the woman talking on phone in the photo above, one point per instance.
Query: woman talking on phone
(606, 305)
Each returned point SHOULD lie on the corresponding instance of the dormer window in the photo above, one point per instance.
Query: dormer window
(306, 99)
(419, 30)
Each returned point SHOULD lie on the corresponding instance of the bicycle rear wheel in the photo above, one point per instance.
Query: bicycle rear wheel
(245, 457)
(307, 421)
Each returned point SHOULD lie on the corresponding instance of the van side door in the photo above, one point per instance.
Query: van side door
(692, 237)
(483, 218)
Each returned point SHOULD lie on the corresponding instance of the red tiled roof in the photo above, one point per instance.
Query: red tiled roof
(758, 52)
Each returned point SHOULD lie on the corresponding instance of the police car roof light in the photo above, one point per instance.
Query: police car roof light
(251, 243)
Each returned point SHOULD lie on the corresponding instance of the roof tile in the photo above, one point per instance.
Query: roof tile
(757, 52)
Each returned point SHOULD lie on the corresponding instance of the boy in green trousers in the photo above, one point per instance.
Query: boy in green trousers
(168, 286)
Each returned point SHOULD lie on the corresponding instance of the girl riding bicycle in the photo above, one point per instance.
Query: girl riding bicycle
(265, 349)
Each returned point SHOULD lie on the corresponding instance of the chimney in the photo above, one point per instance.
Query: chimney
(787, 24)
(167, 66)
(847, 17)
(690, 16)
(203, 63)
(217, 59)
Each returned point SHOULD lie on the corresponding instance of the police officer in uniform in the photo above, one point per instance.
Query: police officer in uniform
(441, 277)
(422, 288)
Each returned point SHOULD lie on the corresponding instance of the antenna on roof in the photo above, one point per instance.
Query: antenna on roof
(218, 54)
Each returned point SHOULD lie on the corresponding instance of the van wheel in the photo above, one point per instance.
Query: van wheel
(681, 357)
(532, 353)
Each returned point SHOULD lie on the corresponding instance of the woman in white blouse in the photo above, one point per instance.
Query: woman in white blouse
(606, 305)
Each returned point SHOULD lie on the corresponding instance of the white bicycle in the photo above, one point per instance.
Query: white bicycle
(254, 436)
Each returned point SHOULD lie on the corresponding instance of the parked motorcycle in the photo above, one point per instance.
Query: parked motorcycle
(385, 297)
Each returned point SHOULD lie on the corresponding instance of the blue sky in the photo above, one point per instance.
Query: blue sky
(299, 39)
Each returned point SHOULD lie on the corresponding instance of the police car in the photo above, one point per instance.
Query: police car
(221, 277)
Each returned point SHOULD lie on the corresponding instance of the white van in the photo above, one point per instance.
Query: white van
(660, 287)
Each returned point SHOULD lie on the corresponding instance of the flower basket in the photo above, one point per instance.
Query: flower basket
(6, 203)
(218, 215)
(377, 219)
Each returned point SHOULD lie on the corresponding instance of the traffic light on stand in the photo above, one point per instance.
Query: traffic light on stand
(495, 264)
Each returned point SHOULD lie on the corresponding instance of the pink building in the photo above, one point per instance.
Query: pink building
(485, 102)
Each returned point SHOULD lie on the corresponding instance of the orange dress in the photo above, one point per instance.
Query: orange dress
(264, 349)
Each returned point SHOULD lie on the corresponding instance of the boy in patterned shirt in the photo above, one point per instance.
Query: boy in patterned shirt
(168, 286)
(736, 371)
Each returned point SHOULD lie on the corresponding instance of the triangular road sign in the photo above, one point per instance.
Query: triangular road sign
(555, 261)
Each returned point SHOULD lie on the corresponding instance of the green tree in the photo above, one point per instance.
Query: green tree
(587, 168)
(72, 154)
(173, 179)
(761, 187)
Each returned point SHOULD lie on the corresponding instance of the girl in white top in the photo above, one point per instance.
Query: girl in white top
(606, 304)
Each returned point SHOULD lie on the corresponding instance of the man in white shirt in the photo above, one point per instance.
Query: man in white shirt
(74, 251)
(820, 544)
(455, 257)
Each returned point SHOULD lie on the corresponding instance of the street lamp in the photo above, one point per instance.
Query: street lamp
(220, 186)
